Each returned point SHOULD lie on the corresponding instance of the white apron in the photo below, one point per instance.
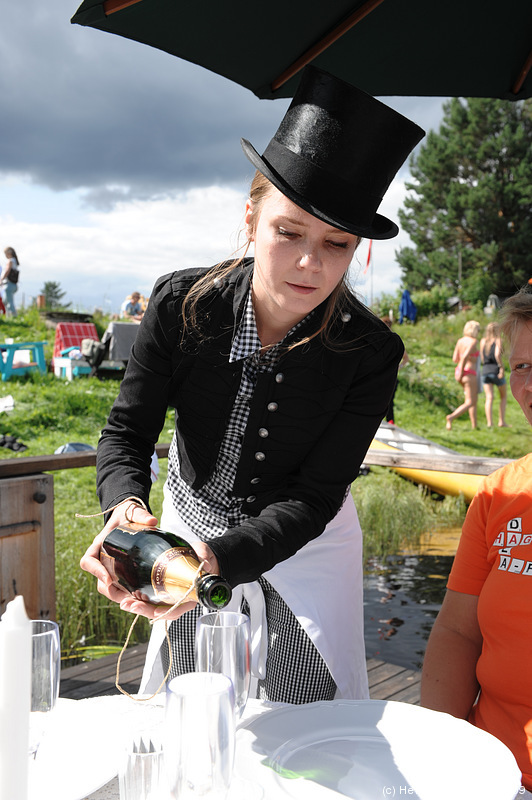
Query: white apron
(322, 584)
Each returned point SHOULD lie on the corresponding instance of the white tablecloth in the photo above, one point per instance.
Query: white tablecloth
(291, 751)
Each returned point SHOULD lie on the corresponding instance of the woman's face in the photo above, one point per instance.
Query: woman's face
(299, 259)
(521, 368)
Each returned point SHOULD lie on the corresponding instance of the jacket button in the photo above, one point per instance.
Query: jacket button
(251, 498)
(346, 316)
(279, 378)
(272, 406)
(254, 481)
(260, 456)
(263, 433)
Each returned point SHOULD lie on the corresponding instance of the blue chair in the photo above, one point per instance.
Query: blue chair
(9, 367)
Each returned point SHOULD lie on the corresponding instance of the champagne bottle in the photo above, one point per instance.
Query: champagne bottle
(161, 567)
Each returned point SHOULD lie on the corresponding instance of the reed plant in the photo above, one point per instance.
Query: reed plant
(394, 513)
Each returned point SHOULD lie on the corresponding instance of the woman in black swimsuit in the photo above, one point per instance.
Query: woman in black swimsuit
(493, 373)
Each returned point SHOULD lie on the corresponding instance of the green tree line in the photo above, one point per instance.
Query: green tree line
(468, 212)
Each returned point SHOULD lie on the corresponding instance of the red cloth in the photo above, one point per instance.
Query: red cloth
(70, 334)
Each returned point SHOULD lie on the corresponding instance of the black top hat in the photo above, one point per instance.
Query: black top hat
(336, 152)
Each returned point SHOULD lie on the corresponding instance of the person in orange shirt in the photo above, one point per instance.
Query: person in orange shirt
(478, 662)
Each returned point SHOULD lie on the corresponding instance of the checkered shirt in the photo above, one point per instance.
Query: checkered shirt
(295, 670)
(211, 510)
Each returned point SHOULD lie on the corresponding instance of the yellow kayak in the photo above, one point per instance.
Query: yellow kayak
(390, 437)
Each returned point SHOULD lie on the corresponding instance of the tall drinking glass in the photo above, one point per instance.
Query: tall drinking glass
(45, 674)
(223, 645)
(142, 774)
(199, 737)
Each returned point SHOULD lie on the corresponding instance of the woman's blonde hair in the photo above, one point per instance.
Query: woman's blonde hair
(516, 311)
(492, 331)
(340, 301)
(471, 328)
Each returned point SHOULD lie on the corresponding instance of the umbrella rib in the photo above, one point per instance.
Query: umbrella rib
(326, 42)
(516, 88)
(110, 6)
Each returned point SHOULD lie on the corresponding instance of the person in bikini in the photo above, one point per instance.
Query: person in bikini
(465, 357)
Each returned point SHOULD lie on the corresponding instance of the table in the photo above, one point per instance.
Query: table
(9, 368)
(368, 749)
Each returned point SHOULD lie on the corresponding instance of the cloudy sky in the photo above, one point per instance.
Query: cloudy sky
(119, 163)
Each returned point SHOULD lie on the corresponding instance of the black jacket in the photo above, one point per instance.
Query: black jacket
(310, 423)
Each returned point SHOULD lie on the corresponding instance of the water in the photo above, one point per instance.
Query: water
(402, 597)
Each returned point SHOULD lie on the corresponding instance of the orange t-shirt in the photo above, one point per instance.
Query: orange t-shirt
(494, 561)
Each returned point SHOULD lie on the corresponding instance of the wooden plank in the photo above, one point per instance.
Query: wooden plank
(404, 685)
(30, 465)
(384, 672)
(97, 677)
(474, 465)
(27, 544)
(469, 465)
(94, 678)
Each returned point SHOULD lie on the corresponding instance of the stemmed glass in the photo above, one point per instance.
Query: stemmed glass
(223, 645)
(199, 736)
(45, 675)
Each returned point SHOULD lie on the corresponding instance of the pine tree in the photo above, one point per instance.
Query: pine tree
(53, 295)
(470, 211)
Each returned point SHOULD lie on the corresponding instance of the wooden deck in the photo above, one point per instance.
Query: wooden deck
(95, 678)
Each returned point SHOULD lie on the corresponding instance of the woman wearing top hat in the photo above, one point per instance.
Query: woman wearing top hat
(279, 378)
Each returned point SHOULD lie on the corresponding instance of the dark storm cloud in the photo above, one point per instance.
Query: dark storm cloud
(85, 108)
(82, 108)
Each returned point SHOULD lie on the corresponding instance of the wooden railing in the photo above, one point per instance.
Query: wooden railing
(27, 528)
(473, 465)
(383, 458)
(30, 465)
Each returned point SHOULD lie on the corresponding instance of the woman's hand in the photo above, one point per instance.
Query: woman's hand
(204, 553)
(90, 562)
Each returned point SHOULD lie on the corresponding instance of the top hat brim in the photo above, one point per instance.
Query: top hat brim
(380, 228)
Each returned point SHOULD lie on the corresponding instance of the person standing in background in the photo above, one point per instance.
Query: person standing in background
(9, 280)
(465, 357)
(493, 373)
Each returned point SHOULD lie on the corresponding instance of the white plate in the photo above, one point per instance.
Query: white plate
(82, 748)
(373, 749)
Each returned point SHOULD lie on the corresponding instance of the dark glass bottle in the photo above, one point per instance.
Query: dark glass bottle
(161, 567)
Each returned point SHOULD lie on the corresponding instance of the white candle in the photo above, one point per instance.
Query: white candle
(15, 700)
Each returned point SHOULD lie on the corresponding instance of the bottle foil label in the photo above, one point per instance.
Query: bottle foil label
(160, 579)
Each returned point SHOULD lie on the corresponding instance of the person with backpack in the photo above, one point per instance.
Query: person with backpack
(9, 280)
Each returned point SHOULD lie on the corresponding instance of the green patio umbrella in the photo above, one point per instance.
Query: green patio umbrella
(439, 48)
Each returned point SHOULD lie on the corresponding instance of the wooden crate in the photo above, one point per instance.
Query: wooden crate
(27, 561)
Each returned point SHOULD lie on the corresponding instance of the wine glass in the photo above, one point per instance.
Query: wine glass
(223, 645)
(45, 674)
(199, 736)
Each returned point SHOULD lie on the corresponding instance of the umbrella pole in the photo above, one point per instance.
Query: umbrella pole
(522, 75)
(324, 43)
(110, 6)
